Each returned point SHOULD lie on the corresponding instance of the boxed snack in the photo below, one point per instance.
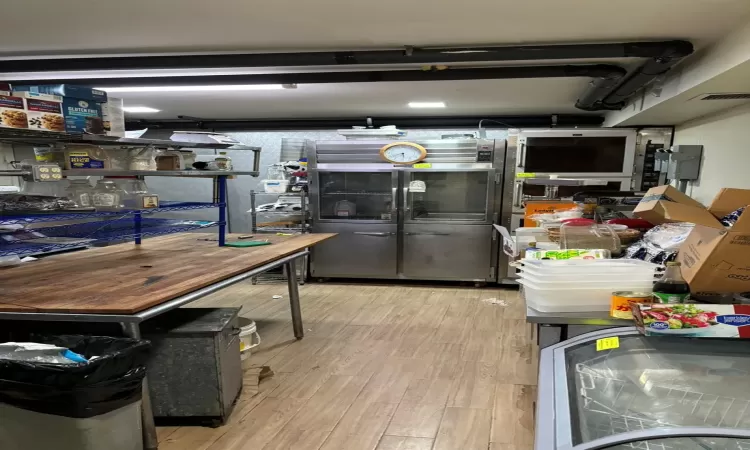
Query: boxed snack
(44, 111)
(664, 204)
(65, 90)
(693, 320)
(13, 112)
(113, 117)
(82, 116)
(714, 257)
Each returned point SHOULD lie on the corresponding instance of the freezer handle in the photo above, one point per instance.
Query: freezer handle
(373, 233)
(522, 156)
(407, 205)
(426, 234)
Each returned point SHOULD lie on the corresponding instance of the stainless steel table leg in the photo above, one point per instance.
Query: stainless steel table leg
(291, 280)
(150, 440)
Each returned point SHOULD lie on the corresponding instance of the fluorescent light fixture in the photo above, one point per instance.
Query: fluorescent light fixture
(139, 109)
(426, 104)
(227, 87)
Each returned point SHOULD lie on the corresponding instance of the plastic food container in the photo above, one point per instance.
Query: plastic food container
(275, 186)
(589, 267)
(576, 299)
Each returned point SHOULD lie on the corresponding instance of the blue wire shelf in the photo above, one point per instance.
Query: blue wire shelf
(54, 217)
(100, 232)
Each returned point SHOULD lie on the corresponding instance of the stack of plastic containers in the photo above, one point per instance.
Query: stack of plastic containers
(582, 285)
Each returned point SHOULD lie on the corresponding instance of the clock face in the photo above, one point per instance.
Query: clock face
(403, 153)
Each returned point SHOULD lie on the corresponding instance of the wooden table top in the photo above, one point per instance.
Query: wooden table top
(125, 279)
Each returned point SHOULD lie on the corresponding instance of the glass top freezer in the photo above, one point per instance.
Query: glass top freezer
(649, 393)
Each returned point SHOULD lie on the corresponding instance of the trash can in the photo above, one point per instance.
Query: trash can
(82, 406)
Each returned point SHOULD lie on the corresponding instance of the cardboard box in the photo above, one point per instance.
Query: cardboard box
(705, 321)
(13, 112)
(716, 259)
(114, 117)
(44, 111)
(664, 204)
(83, 116)
(66, 90)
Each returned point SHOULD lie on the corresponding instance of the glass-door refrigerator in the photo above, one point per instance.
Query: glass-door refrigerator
(430, 220)
(650, 393)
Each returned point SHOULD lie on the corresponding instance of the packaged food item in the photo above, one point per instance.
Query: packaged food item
(49, 154)
(82, 116)
(671, 288)
(568, 254)
(693, 320)
(81, 156)
(13, 112)
(65, 90)
(143, 159)
(223, 162)
(622, 303)
(44, 111)
(81, 192)
(108, 196)
(113, 117)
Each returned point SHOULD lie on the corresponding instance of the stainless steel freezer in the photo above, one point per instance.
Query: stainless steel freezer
(648, 393)
(427, 221)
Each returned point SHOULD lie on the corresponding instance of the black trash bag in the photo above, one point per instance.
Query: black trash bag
(84, 390)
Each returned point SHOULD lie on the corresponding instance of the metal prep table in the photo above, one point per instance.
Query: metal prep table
(552, 328)
(128, 284)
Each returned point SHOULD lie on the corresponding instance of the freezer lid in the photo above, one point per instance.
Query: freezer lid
(647, 393)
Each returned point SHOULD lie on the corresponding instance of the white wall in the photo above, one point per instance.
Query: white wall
(726, 151)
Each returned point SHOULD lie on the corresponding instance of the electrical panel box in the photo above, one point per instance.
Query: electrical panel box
(685, 162)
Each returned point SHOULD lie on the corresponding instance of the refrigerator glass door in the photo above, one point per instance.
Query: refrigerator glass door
(354, 196)
(450, 196)
(651, 385)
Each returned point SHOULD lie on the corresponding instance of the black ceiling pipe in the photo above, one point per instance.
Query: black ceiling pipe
(485, 73)
(407, 55)
(447, 122)
(615, 97)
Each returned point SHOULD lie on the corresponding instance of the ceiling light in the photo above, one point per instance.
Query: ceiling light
(139, 109)
(226, 87)
(426, 104)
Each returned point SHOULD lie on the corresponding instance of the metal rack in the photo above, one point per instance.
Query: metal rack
(139, 227)
(301, 227)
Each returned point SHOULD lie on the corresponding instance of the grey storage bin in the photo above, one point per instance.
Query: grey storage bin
(28, 430)
(195, 369)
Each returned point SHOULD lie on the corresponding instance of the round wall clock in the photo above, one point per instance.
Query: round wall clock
(403, 153)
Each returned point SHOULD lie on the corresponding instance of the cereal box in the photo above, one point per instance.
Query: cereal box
(44, 111)
(693, 320)
(13, 112)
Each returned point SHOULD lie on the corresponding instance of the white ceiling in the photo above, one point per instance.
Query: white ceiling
(79, 26)
(687, 105)
(149, 26)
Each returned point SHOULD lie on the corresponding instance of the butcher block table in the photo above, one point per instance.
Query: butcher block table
(129, 283)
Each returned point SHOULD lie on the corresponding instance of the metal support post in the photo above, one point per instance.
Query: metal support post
(221, 184)
(150, 440)
(137, 218)
(291, 280)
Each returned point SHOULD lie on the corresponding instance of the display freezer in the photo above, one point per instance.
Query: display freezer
(429, 221)
(647, 393)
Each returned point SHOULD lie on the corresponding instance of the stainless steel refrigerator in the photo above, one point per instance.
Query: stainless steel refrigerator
(428, 221)
(642, 392)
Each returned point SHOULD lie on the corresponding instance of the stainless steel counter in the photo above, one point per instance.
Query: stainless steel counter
(553, 328)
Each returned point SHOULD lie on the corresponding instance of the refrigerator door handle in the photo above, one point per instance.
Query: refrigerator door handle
(426, 234)
(407, 205)
(394, 201)
(372, 233)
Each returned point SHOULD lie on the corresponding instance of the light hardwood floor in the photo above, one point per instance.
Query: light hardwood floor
(381, 367)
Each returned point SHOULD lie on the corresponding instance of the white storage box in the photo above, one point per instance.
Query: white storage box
(621, 267)
(275, 186)
(569, 281)
(576, 300)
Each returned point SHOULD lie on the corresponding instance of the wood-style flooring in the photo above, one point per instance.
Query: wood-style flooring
(381, 367)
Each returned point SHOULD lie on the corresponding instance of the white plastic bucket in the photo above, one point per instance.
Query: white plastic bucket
(249, 337)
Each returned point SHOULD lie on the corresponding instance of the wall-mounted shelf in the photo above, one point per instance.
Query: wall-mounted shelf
(155, 173)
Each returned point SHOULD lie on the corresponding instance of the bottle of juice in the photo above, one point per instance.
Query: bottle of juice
(671, 288)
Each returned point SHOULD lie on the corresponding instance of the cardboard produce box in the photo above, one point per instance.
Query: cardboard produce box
(664, 204)
(716, 259)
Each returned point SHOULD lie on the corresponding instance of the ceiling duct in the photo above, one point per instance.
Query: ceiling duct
(601, 98)
(607, 91)
(734, 96)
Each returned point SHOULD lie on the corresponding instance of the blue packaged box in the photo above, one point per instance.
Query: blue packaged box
(82, 116)
(66, 90)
